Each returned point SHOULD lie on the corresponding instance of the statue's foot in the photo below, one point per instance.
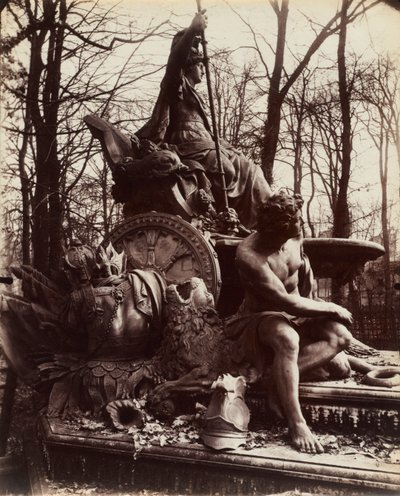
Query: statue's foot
(304, 440)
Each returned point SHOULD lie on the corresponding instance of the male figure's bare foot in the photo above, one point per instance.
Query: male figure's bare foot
(303, 439)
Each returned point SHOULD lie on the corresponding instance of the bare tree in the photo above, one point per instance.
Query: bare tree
(236, 100)
(280, 80)
(297, 124)
(379, 91)
(65, 78)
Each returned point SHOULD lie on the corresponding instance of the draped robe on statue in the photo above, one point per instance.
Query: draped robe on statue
(179, 119)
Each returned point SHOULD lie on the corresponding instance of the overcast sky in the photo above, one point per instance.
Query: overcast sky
(381, 26)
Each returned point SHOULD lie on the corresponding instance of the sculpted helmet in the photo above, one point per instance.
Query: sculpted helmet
(227, 418)
(80, 261)
(195, 54)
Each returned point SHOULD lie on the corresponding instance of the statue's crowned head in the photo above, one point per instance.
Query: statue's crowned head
(280, 215)
(195, 54)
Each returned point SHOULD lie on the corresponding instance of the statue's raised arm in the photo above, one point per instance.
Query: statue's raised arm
(185, 49)
(180, 119)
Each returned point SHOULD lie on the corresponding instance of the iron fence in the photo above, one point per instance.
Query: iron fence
(376, 317)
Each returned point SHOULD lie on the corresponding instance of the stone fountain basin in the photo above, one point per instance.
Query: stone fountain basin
(331, 257)
(328, 256)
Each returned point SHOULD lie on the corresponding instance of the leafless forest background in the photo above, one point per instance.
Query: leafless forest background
(291, 106)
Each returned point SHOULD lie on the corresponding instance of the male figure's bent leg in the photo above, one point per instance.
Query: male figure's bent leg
(284, 340)
(329, 338)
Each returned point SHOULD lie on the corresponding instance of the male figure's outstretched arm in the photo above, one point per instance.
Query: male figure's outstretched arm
(260, 280)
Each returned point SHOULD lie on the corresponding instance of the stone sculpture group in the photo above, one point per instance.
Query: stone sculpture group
(139, 320)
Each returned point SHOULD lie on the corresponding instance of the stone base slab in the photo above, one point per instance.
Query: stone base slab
(352, 408)
(111, 460)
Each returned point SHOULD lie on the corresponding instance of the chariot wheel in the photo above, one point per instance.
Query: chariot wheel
(169, 245)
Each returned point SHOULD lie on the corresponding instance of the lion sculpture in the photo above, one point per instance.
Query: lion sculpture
(194, 350)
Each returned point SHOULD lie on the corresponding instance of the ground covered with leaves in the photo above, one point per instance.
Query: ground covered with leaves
(184, 430)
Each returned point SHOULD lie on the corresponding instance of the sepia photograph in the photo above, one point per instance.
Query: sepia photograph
(200, 247)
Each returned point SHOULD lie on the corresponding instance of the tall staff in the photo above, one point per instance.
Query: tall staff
(212, 110)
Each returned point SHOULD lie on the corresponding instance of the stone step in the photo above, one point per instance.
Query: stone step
(351, 407)
(111, 460)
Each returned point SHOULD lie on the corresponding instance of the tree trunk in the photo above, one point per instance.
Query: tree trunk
(104, 200)
(298, 145)
(55, 203)
(312, 194)
(25, 191)
(341, 220)
(44, 97)
(39, 204)
(341, 214)
(272, 124)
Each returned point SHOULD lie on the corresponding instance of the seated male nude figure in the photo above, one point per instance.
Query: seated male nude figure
(279, 317)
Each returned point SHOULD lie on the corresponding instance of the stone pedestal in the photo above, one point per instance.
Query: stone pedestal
(111, 460)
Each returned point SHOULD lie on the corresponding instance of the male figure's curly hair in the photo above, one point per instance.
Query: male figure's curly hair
(276, 215)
